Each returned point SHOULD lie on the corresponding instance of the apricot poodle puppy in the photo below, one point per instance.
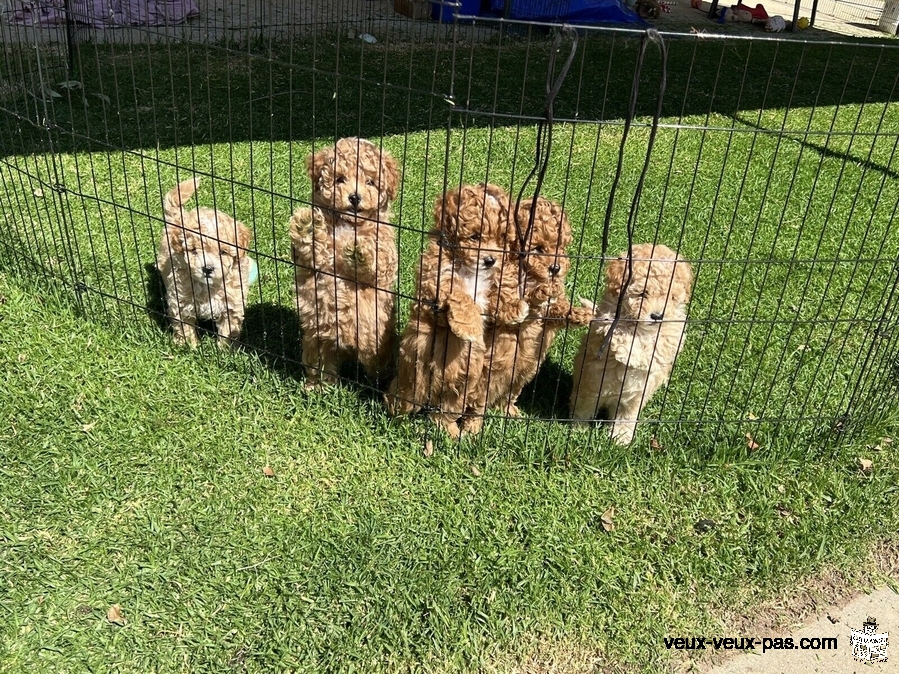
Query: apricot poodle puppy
(464, 282)
(344, 252)
(203, 260)
(515, 352)
(615, 383)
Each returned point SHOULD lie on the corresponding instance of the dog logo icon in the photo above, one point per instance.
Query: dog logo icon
(867, 644)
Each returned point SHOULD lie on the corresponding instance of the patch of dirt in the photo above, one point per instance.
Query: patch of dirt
(823, 594)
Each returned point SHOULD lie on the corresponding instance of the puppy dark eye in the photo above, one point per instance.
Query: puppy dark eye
(539, 250)
(475, 237)
(340, 180)
(225, 253)
(370, 182)
(192, 249)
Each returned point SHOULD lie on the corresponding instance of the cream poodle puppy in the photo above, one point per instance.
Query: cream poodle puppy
(203, 260)
(465, 282)
(614, 381)
(345, 257)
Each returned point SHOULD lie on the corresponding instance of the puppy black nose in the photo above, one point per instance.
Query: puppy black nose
(489, 261)
(207, 269)
(554, 269)
(656, 316)
(354, 199)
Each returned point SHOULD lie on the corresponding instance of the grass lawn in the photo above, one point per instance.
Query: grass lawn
(132, 472)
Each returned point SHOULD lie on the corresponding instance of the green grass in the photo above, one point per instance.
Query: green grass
(134, 470)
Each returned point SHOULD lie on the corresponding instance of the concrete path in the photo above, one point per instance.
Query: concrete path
(883, 605)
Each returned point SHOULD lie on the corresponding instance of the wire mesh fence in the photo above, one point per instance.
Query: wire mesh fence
(468, 263)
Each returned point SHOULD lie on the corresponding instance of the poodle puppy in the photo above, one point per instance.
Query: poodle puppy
(515, 352)
(464, 282)
(345, 257)
(617, 381)
(203, 260)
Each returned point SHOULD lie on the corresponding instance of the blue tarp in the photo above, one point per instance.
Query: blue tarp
(569, 11)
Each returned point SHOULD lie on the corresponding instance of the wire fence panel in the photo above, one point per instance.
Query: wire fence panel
(767, 165)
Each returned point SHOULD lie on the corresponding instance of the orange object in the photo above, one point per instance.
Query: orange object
(758, 14)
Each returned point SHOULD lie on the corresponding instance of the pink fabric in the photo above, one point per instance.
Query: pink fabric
(103, 13)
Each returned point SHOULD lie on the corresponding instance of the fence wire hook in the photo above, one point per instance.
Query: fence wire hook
(649, 35)
(544, 138)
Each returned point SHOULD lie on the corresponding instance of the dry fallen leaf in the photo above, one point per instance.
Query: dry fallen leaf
(866, 465)
(608, 519)
(751, 443)
(88, 427)
(655, 444)
(781, 489)
(783, 511)
(114, 615)
(475, 471)
(268, 472)
(429, 448)
(38, 192)
(23, 357)
(751, 416)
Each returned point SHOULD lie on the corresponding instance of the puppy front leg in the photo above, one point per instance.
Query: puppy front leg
(449, 423)
(321, 362)
(465, 318)
(184, 326)
(623, 429)
(228, 328)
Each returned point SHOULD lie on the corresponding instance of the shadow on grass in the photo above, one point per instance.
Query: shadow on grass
(823, 150)
(155, 290)
(546, 397)
(272, 333)
(319, 90)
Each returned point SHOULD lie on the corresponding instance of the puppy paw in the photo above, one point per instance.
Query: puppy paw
(587, 304)
(353, 255)
(623, 432)
(540, 295)
(187, 338)
(472, 425)
(524, 310)
(580, 316)
(451, 427)
(512, 410)
(465, 321)
(513, 313)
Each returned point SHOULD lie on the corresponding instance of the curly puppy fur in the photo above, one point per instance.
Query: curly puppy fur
(618, 383)
(515, 352)
(344, 252)
(203, 262)
(465, 281)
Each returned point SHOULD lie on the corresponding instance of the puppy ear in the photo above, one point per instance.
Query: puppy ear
(683, 279)
(175, 235)
(615, 271)
(315, 163)
(243, 239)
(390, 175)
(446, 212)
(563, 226)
